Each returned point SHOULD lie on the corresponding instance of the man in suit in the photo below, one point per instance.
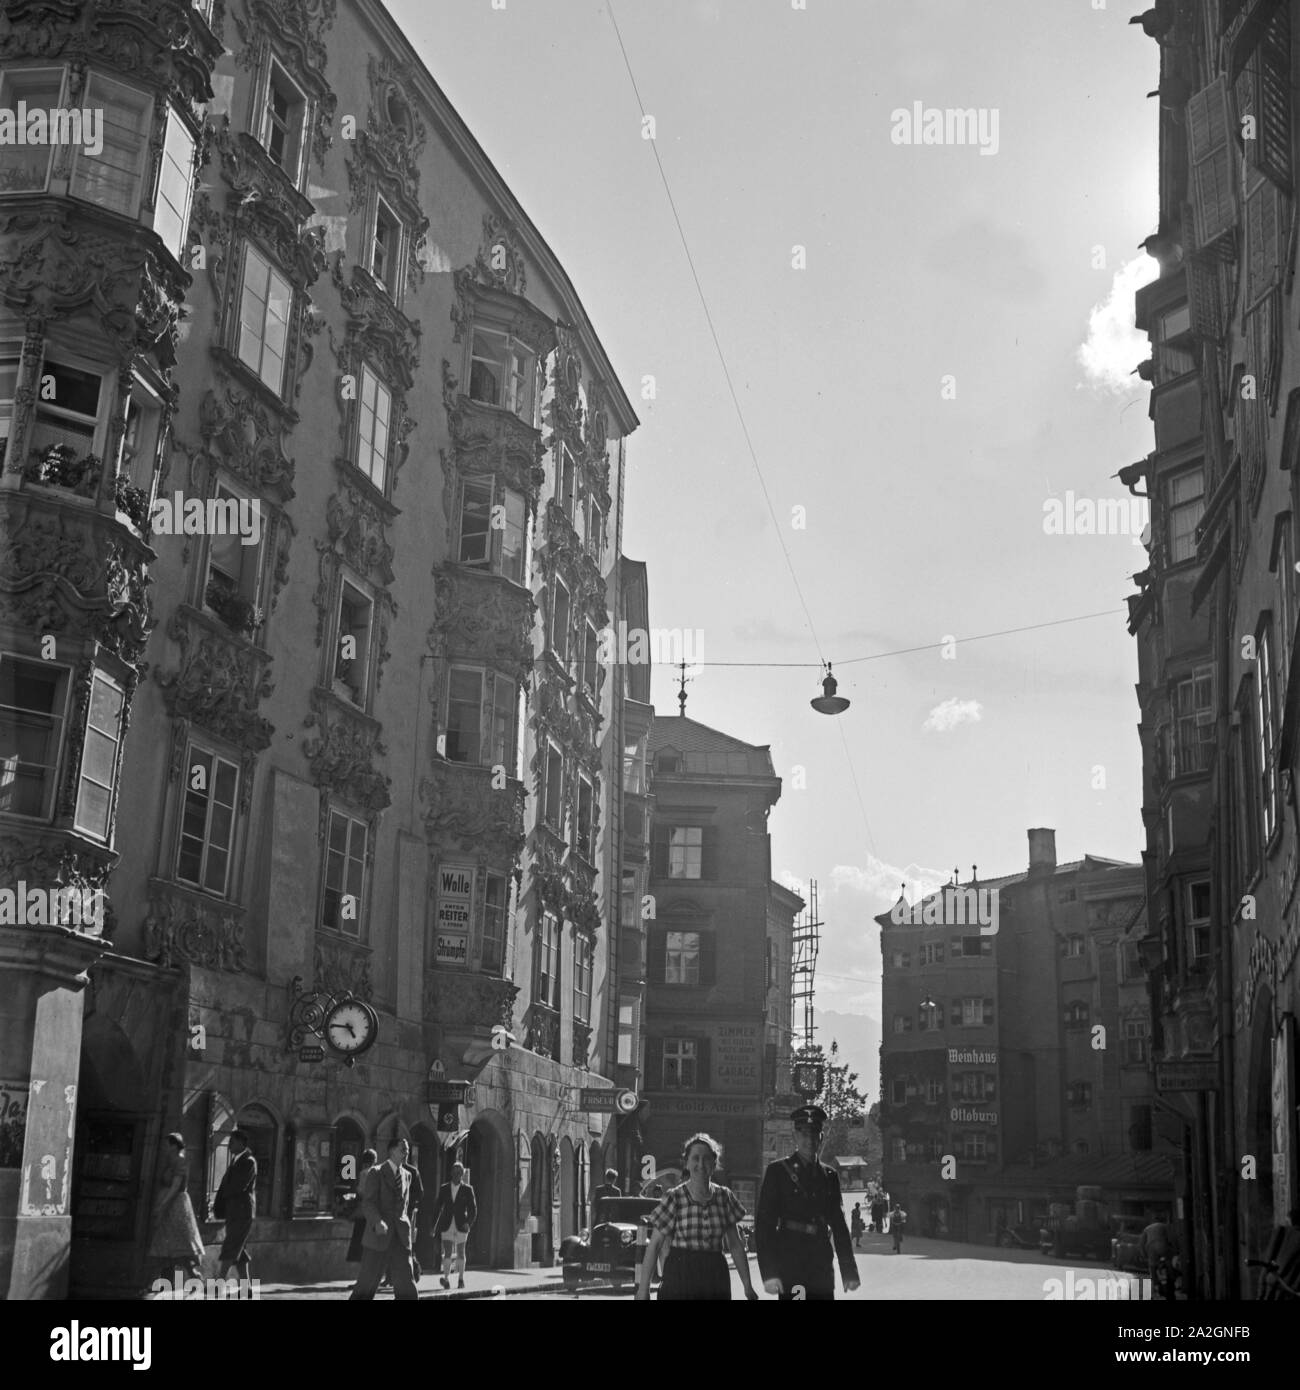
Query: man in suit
(800, 1213)
(386, 1205)
(609, 1188)
(235, 1204)
(456, 1213)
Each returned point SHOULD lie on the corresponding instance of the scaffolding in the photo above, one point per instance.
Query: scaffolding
(807, 936)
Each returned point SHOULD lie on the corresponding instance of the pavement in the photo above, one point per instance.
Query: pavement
(479, 1283)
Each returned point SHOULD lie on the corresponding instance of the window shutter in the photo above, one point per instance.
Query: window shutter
(1263, 240)
(709, 852)
(1206, 297)
(659, 852)
(1210, 153)
(656, 955)
(708, 958)
(1270, 78)
(654, 1064)
(702, 1064)
(988, 1011)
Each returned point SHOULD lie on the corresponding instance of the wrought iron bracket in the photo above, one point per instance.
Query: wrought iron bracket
(308, 1010)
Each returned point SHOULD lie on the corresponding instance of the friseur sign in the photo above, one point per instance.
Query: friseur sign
(1187, 1076)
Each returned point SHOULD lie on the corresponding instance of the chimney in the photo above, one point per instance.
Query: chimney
(1042, 851)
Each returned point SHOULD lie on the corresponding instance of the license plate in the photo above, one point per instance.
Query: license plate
(600, 1268)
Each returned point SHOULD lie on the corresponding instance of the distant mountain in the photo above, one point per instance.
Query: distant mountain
(859, 1038)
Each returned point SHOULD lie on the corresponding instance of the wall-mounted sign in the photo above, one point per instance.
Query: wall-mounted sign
(708, 1105)
(311, 1054)
(964, 1115)
(453, 912)
(737, 1057)
(971, 1057)
(597, 1101)
(1187, 1076)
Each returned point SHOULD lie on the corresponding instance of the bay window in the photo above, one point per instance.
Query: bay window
(67, 408)
(114, 177)
(26, 168)
(503, 372)
(496, 906)
(481, 710)
(33, 707)
(1184, 506)
(493, 526)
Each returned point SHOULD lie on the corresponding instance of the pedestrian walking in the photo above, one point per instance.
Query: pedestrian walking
(897, 1225)
(386, 1241)
(878, 1216)
(177, 1241)
(417, 1201)
(700, 1218)
(800, 1217)
(856, 1227)
(366, 1162)
(236, 1205)
(1155, 1248)
(453, 1219)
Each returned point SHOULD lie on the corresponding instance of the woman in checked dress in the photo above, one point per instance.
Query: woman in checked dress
(699, 1219)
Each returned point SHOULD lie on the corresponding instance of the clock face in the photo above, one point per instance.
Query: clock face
(350, 1027)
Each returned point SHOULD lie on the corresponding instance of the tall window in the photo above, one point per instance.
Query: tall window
(493, 522)
(1080, 1094)
(25, 168)
(929, 1016)
(585, 831)
(8, 386)
(546, 986)
(481, 721)
(503, 373)
(553, 789)
(1198, 920)
(345, 868)
(680, 1058)
(496, 904)
(264, 303)
(975, 1145)
(560, 622)
(283, 116)
(33, 699)
(565, 480)
(972, 1012)
(99, 757)
(372, 428)
(175, 186)
(1267, 732)
(1136, 1033)
(1285, 612)
(1194, 722)
(386, 247)
(682, 958)
(207, 821)
(1184, 506)
(234, 569)
(596, 533)
(590, 661)
(67, 408)
(352, 658)
(626, 1029)
(113, 178)
(582, 962)
(685, 851)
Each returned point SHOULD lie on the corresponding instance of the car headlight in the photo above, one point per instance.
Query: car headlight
(627, 1237)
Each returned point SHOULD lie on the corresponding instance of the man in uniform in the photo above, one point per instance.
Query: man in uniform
(799, 1213)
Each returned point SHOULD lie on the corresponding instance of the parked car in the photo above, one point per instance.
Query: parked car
(611, 1250)
(1124, 1251)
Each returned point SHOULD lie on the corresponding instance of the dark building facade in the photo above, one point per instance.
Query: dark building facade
(350, 732)
(1015, 1060)
(707, 966)
(1214, 620)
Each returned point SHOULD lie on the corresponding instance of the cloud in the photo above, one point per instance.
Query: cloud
(880, 881)
(1114, 346)
(951, 713)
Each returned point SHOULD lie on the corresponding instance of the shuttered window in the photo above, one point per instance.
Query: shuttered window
(1209, 123)
(1269, 77)
(1264, 213)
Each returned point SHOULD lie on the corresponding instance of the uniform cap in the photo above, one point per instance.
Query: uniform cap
(812, 1115)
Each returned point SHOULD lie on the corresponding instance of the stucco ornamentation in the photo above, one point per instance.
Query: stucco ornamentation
(342, 753)
(218, 684)
(465, 814)
(457, 999)
(484, 615)
(342, 967)
(180, 928)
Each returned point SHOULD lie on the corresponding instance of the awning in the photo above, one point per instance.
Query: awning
(453, 1141)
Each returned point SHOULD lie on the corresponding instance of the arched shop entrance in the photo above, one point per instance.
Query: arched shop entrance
(541, 1184)
(569, 1221)
(427, 1157)
(488, 1156)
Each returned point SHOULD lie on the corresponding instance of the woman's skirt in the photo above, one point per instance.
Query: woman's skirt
(176, 1234)
(695, 1276)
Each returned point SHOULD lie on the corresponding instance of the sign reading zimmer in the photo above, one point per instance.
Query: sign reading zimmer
(452, 915)
(737, 1053)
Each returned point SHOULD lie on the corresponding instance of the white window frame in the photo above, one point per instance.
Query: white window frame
(686, 851)
(584, 831)
(82, 180)
(1182, 537)
(496, 923)
(512, 364)
(51, 412)
(58, 717)
(583, 968)
(1198, 927)
(1266, 695)
(114, 737)
(497, 696)
(550, 943)
(972, 1017)
(374, 428)
(562, 653)
(1076, 947)
(390, 278)
(195, 753)
(346, 858)
(486, 549)
(257, 337)
(24, 78)
(359, 689)
(682, 958)
(684, 1053)
(266, 119)
(975, 1145)
(248, 584)
(175, 194)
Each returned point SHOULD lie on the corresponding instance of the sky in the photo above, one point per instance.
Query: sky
(952, 351)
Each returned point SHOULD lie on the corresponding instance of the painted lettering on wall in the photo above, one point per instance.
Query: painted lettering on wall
(737, 1057)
